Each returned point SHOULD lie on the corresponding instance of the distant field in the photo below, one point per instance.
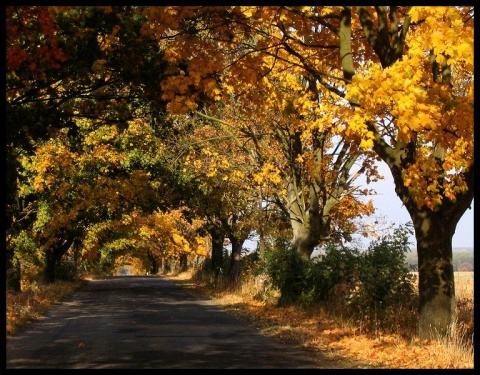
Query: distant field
(467, 275)
(458, 275)
(463, 284)
(463, 275)
(462, 261)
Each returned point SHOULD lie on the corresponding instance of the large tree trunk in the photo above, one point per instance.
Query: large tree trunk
(310, 220)
(305, 236)
(434, 230)
(310, 200)
(52, 258)
(305, 218)
(235, 259)
(170, 264)
(217, 249)
(163, 265)
(183, 262)
(237, 239)
(436, 282)
(154, 267)
(13, 277)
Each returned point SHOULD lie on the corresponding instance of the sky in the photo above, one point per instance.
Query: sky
(389, 206)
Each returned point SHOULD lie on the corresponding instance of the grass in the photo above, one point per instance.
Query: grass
(34, 301)
(339, 341)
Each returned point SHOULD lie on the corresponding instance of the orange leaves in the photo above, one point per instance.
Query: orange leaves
(107, 42)
(193, 56)
(15, 57)
(183, 89)
(162, 20)
(410, 101)
(421, 179)
(275, 73)
(399, 90)
(86, 186)
(165, 233)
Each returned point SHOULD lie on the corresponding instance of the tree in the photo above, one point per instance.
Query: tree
(315, 89)
(152, 238)
(398, 81)
(411, 101)
(77, 185)
(63, 64)
(218, 163)
(310, 171)
(290, 133)
(418, 114)
(32, 55)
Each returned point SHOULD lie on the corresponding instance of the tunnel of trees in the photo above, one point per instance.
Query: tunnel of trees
(158, 133)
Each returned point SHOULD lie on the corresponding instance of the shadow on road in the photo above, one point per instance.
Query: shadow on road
(147, 322)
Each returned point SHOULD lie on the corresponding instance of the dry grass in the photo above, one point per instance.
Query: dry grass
(340, 342)
(344, 344)
(33, 302)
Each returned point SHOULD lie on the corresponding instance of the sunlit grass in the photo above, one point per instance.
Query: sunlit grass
(33, 301)
(334, 336)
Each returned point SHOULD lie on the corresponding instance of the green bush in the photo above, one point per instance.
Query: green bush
(286, 271)
(385, 287)
(339, 265)
(66, 270)
(224, 267)
(372, 287)
(27, 257)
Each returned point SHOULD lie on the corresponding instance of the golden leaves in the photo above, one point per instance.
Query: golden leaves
(430, 181)
(275, 85)
(269, 174)
(444, 32)
(407, 102)
(163, 234)
(366, 143)
(169, 232)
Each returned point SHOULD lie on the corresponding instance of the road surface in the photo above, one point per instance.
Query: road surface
(146, 323)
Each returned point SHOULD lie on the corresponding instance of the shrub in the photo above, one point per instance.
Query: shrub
(384, 286)
(337, 267)
(66, 270)
(306, 282)
(28, 258)
(286, 271)
(374, 287)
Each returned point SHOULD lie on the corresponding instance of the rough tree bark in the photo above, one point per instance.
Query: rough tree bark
(218, 237)
(53, 256)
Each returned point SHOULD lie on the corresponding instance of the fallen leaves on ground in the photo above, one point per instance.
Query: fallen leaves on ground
(344, 346)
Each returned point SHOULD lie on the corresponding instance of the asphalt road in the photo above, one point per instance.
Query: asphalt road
(146, 323)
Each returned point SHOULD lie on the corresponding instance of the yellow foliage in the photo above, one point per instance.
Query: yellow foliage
(268, 174)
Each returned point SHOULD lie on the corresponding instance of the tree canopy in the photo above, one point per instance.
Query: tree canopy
(121, 119)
